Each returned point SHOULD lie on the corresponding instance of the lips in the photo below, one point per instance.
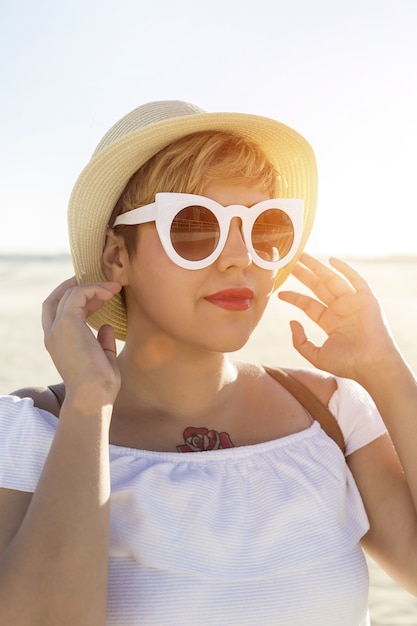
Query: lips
(235, 299)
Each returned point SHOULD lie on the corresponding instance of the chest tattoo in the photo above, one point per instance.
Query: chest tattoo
(203, 439)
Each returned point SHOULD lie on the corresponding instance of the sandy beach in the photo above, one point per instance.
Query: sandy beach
(26, 282)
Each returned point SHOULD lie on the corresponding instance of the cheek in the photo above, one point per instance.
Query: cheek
(154, 264)
(150, 264)
(156, 284)
(266, 281)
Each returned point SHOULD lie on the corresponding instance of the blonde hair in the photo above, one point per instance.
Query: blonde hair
(189, 165)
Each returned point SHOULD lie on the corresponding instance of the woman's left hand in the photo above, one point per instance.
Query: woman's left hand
(358, 337)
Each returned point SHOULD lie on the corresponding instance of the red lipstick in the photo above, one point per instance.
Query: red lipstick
(234, 299)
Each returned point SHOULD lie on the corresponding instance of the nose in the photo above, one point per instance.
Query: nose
(235, 252)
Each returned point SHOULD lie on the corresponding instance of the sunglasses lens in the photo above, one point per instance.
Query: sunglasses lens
(195, 233)
(272, 235)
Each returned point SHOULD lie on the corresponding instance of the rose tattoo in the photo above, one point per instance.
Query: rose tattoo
(203, 439)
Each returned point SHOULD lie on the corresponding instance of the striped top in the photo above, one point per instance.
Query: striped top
(263, 535)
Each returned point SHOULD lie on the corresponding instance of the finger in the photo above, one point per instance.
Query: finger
(80, 300)
(310, 306)
(323, 280)
(352, 275)
(50, 305)
(313, 283)
(106, 338)
(327, 274)
(302, 343)
(87, 299)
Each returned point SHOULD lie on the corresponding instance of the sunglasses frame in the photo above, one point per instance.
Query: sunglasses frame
(168, 204)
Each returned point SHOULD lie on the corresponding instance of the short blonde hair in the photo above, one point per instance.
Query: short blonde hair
(189, 165)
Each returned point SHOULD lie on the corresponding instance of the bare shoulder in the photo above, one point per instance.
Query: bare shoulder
(322, 384)
(46, 398)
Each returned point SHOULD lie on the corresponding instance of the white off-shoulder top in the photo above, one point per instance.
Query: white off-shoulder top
(259, 535)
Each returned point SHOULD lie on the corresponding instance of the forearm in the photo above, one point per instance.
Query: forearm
(54, 571)
(393, 388)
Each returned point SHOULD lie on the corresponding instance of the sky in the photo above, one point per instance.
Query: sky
(343, 74)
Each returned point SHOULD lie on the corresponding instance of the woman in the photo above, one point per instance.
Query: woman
(182, 226)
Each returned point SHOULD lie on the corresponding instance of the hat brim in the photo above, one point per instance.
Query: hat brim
(102, 181)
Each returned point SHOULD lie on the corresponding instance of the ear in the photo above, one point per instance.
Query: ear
(115, 257)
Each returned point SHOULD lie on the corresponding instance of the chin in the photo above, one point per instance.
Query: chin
(229, 344)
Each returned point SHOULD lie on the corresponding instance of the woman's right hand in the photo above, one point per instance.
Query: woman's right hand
(87, 364)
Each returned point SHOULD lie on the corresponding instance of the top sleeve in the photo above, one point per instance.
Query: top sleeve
(356, 413)
(26, 434)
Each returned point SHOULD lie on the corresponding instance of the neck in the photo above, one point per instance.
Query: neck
(174, 383)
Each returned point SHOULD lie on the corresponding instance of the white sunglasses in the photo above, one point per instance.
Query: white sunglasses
(193, 229)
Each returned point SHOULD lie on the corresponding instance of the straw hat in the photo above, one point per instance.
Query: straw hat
(138, 136)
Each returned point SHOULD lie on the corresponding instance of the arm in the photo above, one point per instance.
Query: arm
(54, 544)
(392, 536)
(359, 345)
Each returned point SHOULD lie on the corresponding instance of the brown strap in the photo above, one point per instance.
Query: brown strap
(314, 406)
